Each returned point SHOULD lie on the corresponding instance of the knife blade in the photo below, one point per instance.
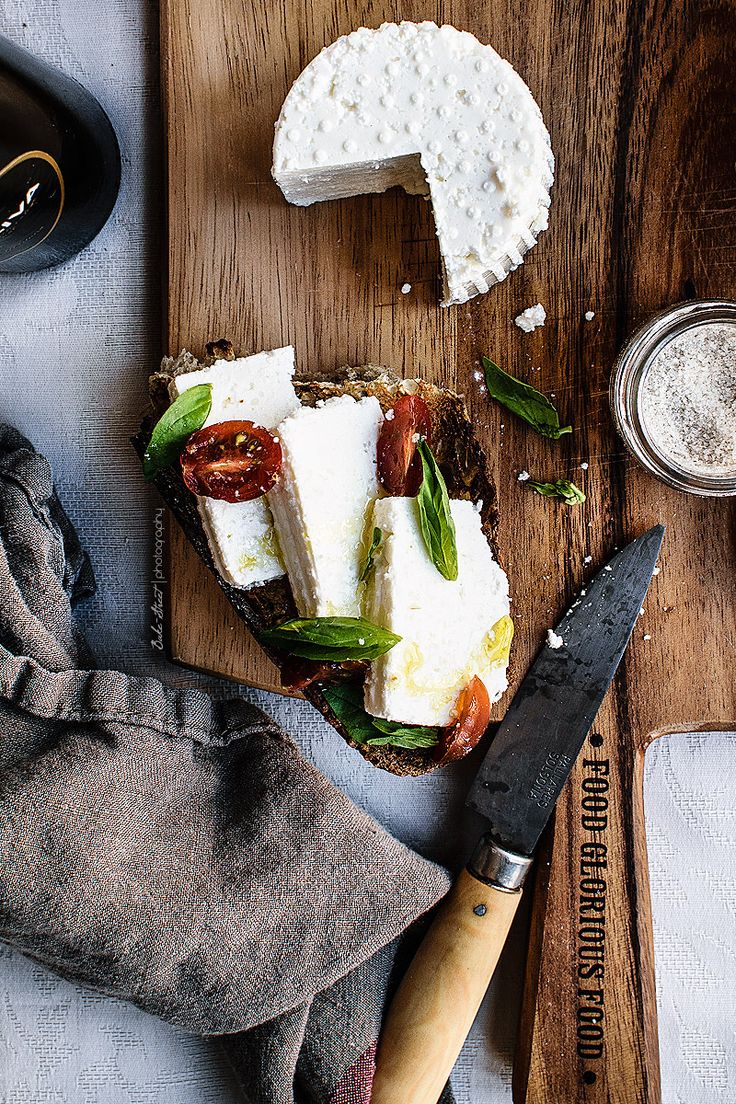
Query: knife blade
(552, 712)
(516, 789)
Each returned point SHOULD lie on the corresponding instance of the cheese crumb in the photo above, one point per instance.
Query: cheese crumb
(523, 476)
(647, 636)
(656, 571)
(405, 289)
(588, 559)
(553, 640)
(585, 465)
(389, 415)
(589, 316)
(531, 318)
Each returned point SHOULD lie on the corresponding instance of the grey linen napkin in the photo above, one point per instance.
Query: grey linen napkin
(178, 852)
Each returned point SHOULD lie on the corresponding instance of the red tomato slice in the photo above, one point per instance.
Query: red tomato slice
(234, 461)
(399, 464)
(298, 674)
(473, 711)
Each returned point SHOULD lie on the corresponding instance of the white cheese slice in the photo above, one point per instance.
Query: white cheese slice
(435, 111)
(446, 627)
(258, 389)
(322, 501)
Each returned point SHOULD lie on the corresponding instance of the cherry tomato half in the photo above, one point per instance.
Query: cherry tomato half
(473, 711)
(399, 464)
(234, 461)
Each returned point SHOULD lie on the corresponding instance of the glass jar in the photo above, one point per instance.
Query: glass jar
(627, 385)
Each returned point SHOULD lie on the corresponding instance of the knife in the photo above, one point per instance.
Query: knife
(516, 789)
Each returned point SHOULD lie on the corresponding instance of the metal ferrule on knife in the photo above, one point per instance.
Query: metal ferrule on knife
(497, 866)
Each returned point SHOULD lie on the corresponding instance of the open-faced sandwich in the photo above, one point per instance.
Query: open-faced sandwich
(350, 523)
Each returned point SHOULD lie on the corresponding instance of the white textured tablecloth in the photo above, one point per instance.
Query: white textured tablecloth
(76, 345)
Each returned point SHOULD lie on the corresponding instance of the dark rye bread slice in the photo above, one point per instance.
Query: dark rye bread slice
(458, 453)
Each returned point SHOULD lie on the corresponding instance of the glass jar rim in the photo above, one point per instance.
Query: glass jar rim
(629, 372)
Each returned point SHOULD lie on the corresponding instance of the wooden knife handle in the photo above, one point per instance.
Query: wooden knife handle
(439, 996)
(588, 1030)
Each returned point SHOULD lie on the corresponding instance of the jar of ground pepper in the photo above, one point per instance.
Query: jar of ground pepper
(673, 396)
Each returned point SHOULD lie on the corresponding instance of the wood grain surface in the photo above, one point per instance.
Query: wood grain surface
(638, 97)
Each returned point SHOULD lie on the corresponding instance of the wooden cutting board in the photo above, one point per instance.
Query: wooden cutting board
(638, 98)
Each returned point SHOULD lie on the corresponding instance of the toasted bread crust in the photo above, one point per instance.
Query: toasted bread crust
(458, 453)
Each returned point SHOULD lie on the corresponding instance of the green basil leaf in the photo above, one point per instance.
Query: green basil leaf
(375, 545)
(331, 638)
(523, 400)
(561, 488)
(346, 701)
(406, 740)
(406, 736)
(185, 416)
(435, 518)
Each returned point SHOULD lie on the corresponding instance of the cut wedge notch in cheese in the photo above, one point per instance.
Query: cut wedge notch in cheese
(450, 630)
(322, 501)
(258, 389)
(435, 111)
